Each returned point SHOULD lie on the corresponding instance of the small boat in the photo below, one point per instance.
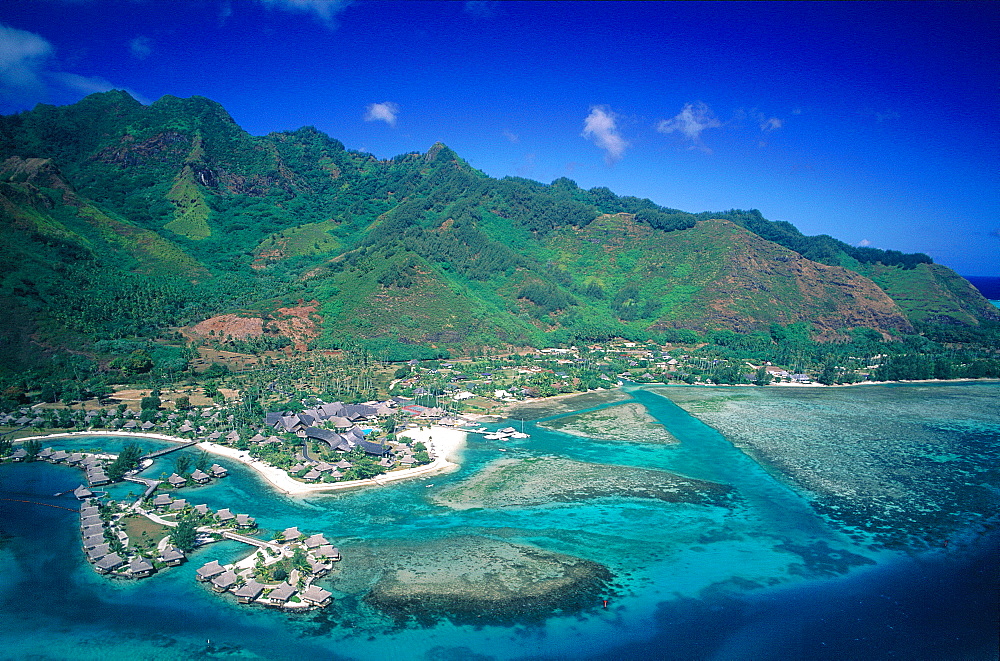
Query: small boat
(519, 434)
(495, 436)
(508, 430)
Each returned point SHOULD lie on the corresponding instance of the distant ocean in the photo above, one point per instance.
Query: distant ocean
(765, 576)
(987, 286)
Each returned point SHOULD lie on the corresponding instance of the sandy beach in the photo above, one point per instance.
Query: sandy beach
(443, 444)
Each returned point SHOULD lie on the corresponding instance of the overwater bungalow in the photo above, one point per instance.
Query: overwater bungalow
(224, 581)
(89, 510)
(280, 595)
(82, 493)
(58, 457)
(95, 553)
(225, 516)
(172, 556)
(74, 459)
(218, 471)
(245, 521)
(291, 534)
(45, 453)
(317, 596)
(328, 552)
(176, 480)
(90, 531)
(91, 520)
(249, 592)
(315, 541)
(97, 478)
(109, 563)
(209, 571)
(140, 568)
(93, 541)
(200, 476)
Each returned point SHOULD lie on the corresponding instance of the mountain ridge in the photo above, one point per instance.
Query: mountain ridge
(421, 250)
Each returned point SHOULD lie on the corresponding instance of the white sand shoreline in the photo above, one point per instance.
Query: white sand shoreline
(443, 444)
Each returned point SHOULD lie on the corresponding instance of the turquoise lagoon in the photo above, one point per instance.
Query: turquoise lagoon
(860, 524)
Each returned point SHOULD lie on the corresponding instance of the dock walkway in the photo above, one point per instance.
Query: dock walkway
(172, 448)
(252, 541)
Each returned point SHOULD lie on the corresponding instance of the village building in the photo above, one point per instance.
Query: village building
(172, 556)
(316, 596)
(109, 563)
(280, 595)
(249, 592)
(200, 476)
(140, 568)
(224, 581)
(176, 481)
(209, 571)
(218, 471)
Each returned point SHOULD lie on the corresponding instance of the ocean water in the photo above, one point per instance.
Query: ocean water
(803, 562)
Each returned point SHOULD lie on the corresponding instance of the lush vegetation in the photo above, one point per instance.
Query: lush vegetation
(122, 224)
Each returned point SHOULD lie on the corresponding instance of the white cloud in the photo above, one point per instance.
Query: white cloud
(23, 58)
(600, 127)
(770, 124)
(690, 122)
(141, 47)
(510, 135)
(27, 77)
(324, 10)
(864, 243)
(382, 112)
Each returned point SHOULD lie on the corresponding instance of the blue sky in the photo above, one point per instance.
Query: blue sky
(876, 123)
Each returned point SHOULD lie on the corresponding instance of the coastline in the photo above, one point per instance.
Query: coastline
(442, 443)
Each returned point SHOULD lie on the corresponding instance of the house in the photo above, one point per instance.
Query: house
(315, 541)
(74, 459)
(316, 596)
(209, 571)
(109, 563)
(172, 556)
(140, 567)
(97, 478)
(176, 481)
(280, 595)
(95, 553)
(185, 428)
(161, 501)
(82, 493)
(93, 520)
(249, 592)
(245, 521)
(224, 581)
(58, 457)
(312, 475)
(89, 510)
(225, 516)
(291, 534)
(201, 510)
(233, 436)
(92, 541)
(200, 476)
(45, 453)
(90, 531)
(218, 471)
(146, 426)
(328, 552)
(178, 505)
(256, 438)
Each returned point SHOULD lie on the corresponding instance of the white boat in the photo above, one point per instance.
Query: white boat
(518, 434)
(495, 436)
(508, 430)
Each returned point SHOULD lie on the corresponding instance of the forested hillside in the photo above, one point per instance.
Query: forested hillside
(131, 229)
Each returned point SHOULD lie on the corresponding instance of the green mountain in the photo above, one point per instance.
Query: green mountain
(120, 222)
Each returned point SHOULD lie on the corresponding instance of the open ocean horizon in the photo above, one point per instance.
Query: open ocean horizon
(863, 525)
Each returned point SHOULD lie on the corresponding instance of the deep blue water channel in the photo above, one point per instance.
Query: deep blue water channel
(764, 578)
